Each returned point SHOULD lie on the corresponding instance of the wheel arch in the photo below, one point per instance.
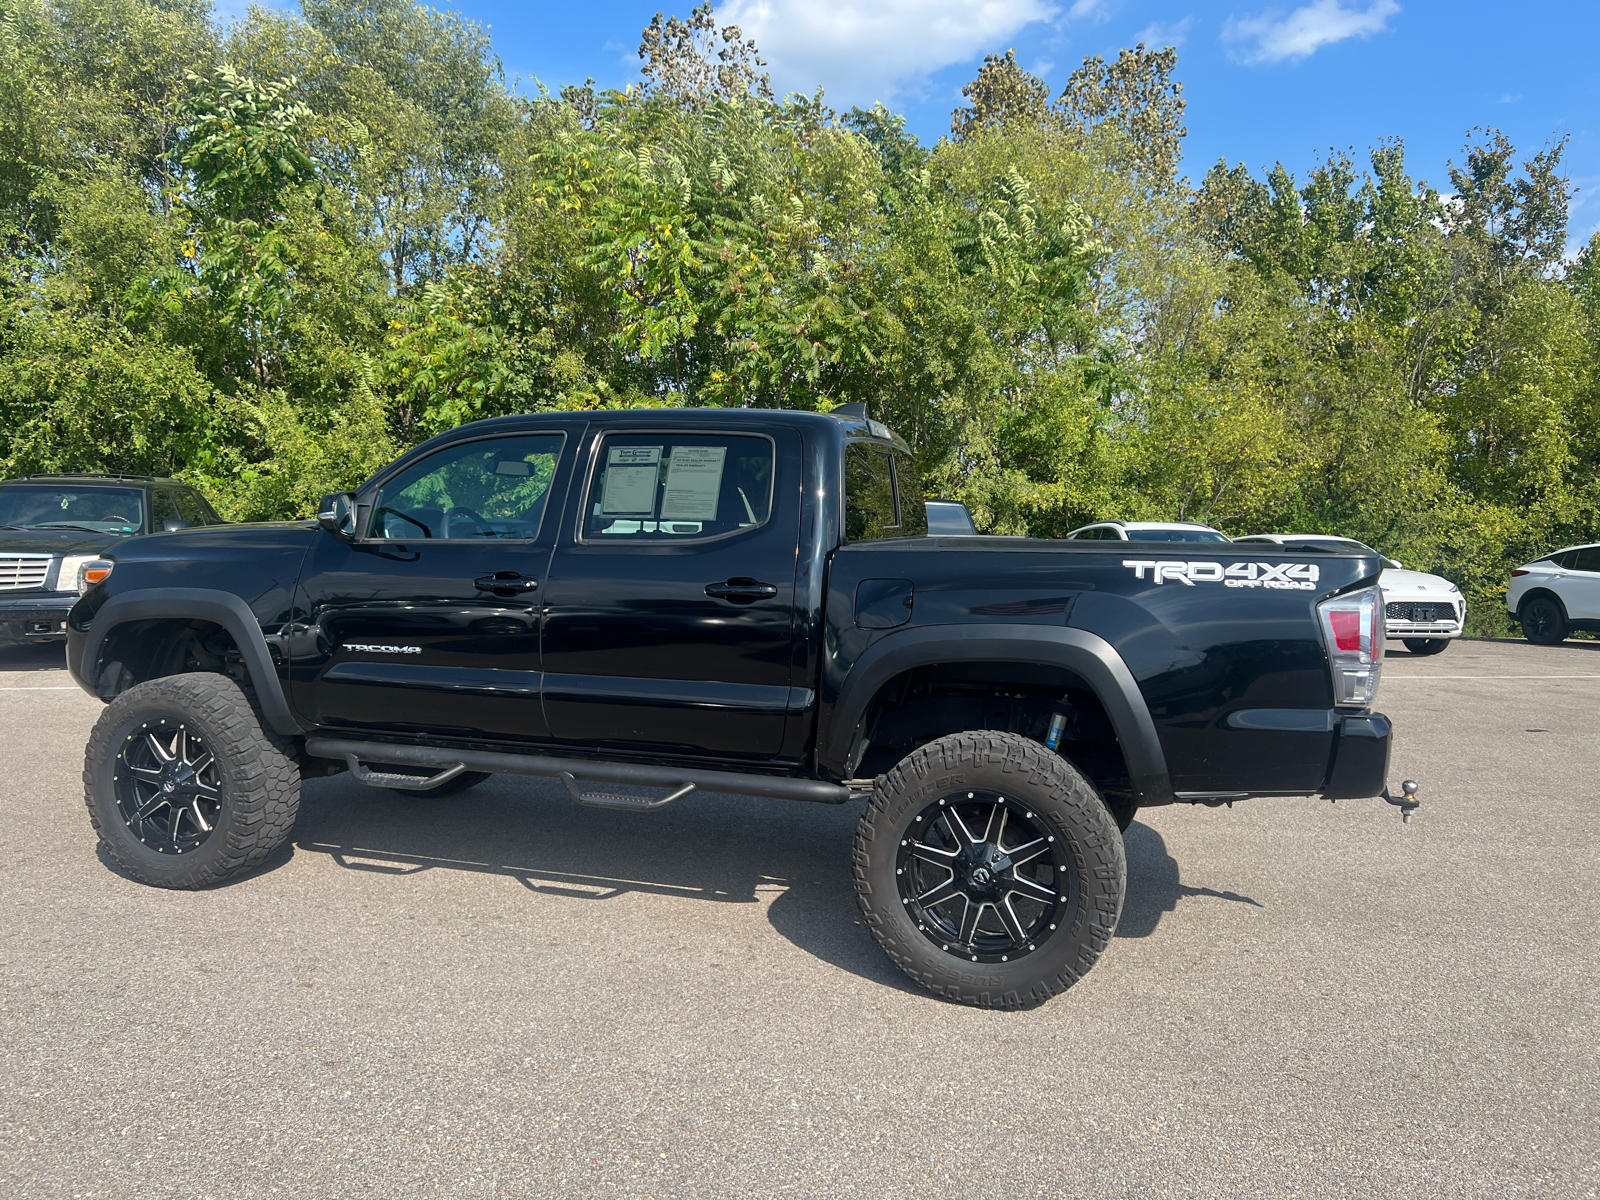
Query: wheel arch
(1077, 652)
(172, 611)
(1542, 593)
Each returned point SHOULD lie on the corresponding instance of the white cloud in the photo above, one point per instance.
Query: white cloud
(1159, 34)
(867, 50)
(1082, 9)
(1276, 37)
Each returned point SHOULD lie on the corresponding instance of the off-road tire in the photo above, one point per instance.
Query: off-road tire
(1061, 798)
(450, 787)
(1543, 622)
(1427, 646)
(256, 769)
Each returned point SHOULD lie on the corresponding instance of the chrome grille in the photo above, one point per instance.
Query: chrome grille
(19, 571)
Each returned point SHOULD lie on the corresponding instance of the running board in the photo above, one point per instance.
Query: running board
(676, 780)
(407, 783)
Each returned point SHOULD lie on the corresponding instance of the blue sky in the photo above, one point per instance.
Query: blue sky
(1265, 82)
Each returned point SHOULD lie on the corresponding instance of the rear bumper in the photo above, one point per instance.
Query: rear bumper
(1360, 766)
(35, 618)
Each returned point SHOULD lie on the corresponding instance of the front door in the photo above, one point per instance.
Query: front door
(669, 615)
(1581, 588)
(430, 621)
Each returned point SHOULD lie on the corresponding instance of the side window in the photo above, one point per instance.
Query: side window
(869, 507)
(668, 487)
(492, 488)
(190, 507)
(908, 497)
(1586, 560)
(162, 509)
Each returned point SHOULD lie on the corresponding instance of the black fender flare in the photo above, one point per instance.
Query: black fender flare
(199, 604)
(1085, 654)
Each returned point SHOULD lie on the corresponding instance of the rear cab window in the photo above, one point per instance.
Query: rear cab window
(675, 487)
(882, 494)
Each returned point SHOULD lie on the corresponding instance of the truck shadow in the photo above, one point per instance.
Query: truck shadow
(722, 849)
(1154, 887)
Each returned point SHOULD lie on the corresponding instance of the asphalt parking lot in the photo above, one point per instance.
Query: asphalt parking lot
(503, 994)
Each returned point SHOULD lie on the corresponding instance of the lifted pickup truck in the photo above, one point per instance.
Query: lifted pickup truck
(744, 602)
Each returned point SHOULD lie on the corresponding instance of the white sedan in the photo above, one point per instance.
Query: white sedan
(1426, 612)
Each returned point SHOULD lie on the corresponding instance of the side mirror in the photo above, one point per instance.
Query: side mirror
(173, 526)
(337, 514)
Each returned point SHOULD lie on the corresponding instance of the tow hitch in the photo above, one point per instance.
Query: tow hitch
(1408, 802)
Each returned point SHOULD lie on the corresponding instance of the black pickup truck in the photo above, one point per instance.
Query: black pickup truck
(743, 602)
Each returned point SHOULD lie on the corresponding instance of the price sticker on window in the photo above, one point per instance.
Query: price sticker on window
(631, 475)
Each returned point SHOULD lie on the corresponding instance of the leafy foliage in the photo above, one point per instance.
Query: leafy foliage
(268, 259)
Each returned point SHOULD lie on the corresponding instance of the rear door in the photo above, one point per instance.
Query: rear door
(430, 622)
(669, 620)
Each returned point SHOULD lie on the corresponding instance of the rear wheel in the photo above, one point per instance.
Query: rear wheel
(1427, 645)
(1543, 621)
(989, 870)
(185, 784)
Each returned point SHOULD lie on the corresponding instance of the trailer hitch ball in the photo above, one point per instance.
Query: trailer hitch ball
(1408, 802)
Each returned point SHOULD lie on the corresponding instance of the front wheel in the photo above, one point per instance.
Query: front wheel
(1543, 622)
(184, 784)
(1427, 645)
(989, 870)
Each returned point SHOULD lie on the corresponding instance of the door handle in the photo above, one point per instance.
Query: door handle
(504, 583)
(740, 589)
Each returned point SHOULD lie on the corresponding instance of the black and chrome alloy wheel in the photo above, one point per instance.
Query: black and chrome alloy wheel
(982, 876)
(185, 785)
(167, 787)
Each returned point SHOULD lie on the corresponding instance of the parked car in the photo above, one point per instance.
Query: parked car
(1557, 594)
(949, 518)
(53, 526)
(1147, 531)
(1426, 612)
(740, 601)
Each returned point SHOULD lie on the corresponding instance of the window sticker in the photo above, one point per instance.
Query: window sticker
(694, 483)
(631, 474)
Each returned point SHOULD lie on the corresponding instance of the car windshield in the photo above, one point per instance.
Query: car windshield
(1336, 543)
(112, 510)
(1175, 535)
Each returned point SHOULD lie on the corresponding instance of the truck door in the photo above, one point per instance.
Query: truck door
(429, 622)
(669, 614)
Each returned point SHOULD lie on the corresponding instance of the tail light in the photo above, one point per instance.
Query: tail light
(1352, 628)
(1518, 572)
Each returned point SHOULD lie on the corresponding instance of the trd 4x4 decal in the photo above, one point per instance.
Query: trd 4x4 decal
(1293, 577)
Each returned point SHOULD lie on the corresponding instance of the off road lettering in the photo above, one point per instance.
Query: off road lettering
(1296, 577)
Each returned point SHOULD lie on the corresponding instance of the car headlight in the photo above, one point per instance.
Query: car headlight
(79, 572)
(1455, 589)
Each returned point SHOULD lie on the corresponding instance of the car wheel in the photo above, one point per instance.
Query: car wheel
(185, 784)
(1427, 645)
(989, 870)
(1543, 621)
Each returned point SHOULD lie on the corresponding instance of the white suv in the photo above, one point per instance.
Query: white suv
(1427, 612)
(1147, 531)
(1557, 594)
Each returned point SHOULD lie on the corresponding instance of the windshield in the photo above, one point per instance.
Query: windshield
(1175, 535)
(112, 510)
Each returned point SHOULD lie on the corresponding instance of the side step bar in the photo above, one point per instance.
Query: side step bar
(573, 772)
